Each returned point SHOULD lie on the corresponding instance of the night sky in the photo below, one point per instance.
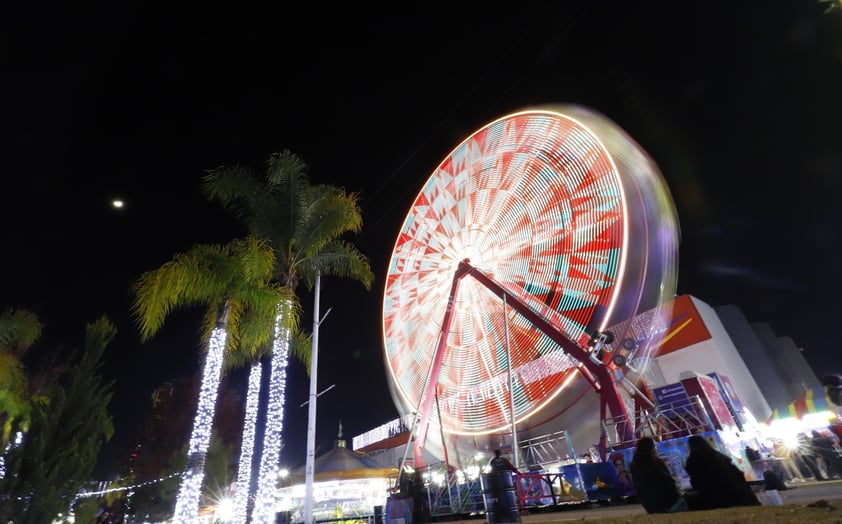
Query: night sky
(737, 102)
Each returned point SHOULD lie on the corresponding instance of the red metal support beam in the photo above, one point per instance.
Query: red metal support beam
(429, 393)
(607, 389)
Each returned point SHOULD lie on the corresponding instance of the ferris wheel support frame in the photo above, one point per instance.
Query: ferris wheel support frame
(597, 373)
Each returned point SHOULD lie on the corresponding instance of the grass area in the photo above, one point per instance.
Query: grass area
(789, 513)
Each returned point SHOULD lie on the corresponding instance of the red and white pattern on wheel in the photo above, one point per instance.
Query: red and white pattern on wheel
(534, 200)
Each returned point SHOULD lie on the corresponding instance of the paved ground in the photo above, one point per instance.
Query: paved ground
(801, 493)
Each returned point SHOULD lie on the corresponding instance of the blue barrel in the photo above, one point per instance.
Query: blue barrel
(501, 498)
(398, 510)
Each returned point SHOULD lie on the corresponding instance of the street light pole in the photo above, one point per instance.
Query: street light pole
(311, 417)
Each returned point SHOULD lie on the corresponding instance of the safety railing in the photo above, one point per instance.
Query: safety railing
(664, 422)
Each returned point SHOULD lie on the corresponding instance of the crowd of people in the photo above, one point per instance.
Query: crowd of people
(815, 456)
(716, 482)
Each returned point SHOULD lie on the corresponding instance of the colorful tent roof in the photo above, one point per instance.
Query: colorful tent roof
(812, 400)
(340, 463)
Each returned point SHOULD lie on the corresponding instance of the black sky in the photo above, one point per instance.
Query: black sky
(738, 103)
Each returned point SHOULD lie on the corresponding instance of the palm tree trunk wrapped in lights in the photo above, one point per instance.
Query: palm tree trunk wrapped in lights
(299, 346)
(187, 503)
(264, 508)
(241, 492)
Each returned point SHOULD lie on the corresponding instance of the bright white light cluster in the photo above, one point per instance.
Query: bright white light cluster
(187, 504)
(267, 482)
(241, 492)
(225, 511)
(18, 440)
(471, 472)
(334, 499)
(788, 428)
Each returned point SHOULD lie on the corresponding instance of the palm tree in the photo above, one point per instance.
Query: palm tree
(305, 224)
(19, 329)
(233, 283)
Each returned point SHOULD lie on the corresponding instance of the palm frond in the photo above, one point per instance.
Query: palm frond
(157, 293)
(301, 348)
(209, 272)
(236, 188)
(288, 171)
(289, 181)
(248, 197)
(330, 215)
(206, 275)
(98, 334)
(337, 258)
(256, 259)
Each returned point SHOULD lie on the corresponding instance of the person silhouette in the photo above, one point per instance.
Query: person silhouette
(504, 497)
(716, 480)
(656, 488)
(500, 464)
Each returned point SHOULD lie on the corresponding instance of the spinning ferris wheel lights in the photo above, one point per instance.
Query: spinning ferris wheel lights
(566, 214)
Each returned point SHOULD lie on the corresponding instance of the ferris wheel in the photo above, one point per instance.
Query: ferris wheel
(570, 216)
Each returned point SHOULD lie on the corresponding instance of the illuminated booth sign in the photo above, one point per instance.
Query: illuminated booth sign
(707, 390)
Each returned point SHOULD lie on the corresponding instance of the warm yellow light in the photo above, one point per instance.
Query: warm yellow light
(117, 203)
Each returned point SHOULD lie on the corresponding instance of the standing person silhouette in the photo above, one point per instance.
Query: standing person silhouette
(825, 448)
(504, 509)
(500, 464)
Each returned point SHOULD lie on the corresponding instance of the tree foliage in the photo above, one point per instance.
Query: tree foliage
(232, 283)
(235, 276)
(831, 5)
(19, 329)
(57, 455)
(304, 222)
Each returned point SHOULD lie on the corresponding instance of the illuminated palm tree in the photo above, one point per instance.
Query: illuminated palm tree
(233, 283)
(305, 224)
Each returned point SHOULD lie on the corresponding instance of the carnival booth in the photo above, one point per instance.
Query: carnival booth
(347, 486)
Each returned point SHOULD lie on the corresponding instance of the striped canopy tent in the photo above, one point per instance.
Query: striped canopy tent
(340, 463)
(813, 400)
